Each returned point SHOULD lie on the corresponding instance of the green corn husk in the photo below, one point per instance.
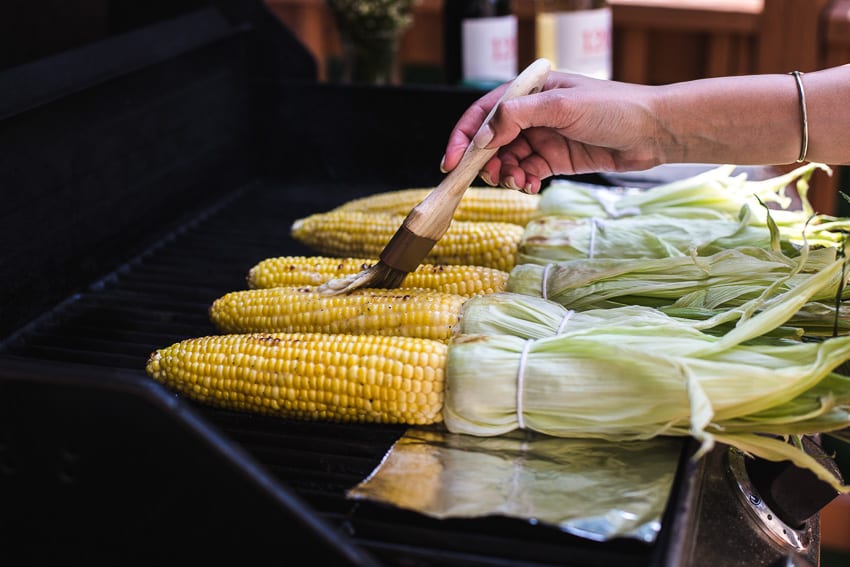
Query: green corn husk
(710, 194)
(813, 320)
(559, 239)
(697, 213)
(714, 193)
(728, 277)
(635, 373)
(688, 286)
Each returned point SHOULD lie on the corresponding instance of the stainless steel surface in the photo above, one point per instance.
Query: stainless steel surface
(736, 528)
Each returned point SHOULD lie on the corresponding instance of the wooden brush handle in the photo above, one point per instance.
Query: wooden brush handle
(431, 217)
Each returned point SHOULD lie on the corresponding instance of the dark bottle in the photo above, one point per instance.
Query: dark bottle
(479, 42)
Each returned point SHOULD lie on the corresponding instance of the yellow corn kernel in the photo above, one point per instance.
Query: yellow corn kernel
(462, 280)
(478, 204)
(358, 234)
(310, 376)
(406, 313)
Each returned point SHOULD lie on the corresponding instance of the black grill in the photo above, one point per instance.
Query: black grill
(162, 164)
(162, 297)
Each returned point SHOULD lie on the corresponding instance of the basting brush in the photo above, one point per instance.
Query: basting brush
(428, 221)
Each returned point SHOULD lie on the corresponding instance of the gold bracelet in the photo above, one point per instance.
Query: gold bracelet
(804, 119)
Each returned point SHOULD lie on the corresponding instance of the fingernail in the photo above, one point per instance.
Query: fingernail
(529, 189)
(486, 177)
(443, 164)
(510, 183)
(483, 137)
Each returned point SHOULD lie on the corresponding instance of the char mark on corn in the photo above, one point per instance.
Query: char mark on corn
(407, 313)
(359, 234)
(465, 280)
(478, 204)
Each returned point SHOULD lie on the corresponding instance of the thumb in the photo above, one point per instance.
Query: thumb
(506, 123)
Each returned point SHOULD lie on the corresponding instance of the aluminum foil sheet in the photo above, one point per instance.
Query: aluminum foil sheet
(590, 488)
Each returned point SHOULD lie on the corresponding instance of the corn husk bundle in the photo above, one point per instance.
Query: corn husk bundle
(559, 239)
(634, 373)
(715, 193)
(690, 286)
(702, 214)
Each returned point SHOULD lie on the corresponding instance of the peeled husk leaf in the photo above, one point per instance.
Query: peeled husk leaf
(715, 193)
(689, 286)
(558, 239)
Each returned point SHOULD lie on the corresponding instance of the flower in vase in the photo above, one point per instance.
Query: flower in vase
(370, 31)
(366, 18)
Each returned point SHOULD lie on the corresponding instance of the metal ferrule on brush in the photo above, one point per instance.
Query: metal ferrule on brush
(405, 250)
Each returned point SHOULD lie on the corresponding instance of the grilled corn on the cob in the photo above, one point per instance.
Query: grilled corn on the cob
(478, 204)
(331, 377)
(316, 270)
(406, 313)
(359, 234)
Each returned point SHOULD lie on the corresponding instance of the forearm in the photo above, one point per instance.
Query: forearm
(755, 119)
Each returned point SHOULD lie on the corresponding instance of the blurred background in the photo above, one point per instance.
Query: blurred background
(651, 41)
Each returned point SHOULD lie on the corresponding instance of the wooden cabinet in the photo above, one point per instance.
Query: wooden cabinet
(663, 41)
(836, 34)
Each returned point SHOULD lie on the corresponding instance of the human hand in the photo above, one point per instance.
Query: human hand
(577, 124)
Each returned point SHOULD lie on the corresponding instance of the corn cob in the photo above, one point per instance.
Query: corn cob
(316, 270)
(478, 204)
(358, 234)
(345, 378)
(407, 313)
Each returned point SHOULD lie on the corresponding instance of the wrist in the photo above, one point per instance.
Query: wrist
(665, 142)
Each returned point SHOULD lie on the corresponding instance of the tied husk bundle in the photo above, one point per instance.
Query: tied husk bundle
(635, 373)
(712, 194)
(703, 214)
(692, 286)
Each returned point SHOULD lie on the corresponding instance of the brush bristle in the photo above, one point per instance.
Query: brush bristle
(380, 275)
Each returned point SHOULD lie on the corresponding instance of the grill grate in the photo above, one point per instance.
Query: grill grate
(162, 297)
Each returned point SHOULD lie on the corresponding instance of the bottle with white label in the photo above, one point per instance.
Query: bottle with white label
(480, 42)
(575, 35)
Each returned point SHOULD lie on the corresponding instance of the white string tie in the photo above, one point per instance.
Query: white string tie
(520, 383)
(567, 316)
(608, 205)
(544, 281)
(595, 224)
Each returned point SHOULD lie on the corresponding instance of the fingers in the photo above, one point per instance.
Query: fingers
(491, 172)
(519, 178)
(466, 127)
